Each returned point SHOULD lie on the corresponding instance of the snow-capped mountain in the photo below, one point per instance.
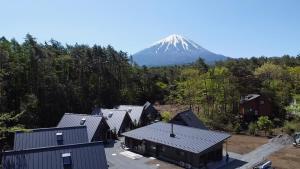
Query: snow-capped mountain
(174, 49)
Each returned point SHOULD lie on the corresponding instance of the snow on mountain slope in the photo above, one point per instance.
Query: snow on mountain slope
(174, 49)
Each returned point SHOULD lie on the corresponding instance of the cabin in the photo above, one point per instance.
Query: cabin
(119, 121)
(188, 118)
(49, 137)
(72, 156)
(253, 106)
(141, 115)
(188, 147)
(97, 127)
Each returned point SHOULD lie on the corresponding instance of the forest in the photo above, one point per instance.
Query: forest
(39, 82)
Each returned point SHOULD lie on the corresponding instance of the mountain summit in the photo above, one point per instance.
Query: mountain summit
(174, 49)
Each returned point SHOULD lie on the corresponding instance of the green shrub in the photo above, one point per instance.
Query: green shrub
(290, 127)
(264, 123)
(252, 128)
(166, 116)
(237, 128)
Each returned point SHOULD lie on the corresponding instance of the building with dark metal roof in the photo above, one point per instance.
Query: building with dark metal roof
(119, 121)
(46, 137)
(141, 115)
(97, 126)
(188, 118)
(182, 145)
(75, 156)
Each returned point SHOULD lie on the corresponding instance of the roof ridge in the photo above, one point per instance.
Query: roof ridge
(54, 147)
(83, 114)
(49, 128)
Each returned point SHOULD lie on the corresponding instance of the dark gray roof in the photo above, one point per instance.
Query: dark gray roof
(187, 138)
(188, 118)
(83, 156)
(113, 117)
(135, 112)
(47, 137)
(92, 122)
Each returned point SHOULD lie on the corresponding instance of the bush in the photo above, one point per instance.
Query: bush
(237, 128)
(290, 127)
(252, 128)
(166, 116)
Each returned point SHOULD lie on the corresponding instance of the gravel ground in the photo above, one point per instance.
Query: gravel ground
(286, 158)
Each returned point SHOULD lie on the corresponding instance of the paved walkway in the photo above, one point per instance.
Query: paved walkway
(116, 160)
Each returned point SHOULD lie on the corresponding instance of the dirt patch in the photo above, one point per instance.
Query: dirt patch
(163, 165)
(287, 158)
(243, 144)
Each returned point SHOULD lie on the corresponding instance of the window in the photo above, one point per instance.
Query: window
(262, 102)
(67, 161)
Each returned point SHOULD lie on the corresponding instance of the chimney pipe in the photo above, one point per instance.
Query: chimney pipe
(172, 132)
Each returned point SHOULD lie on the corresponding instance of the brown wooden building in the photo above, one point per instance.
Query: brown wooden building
(253, 106)
(188, 147)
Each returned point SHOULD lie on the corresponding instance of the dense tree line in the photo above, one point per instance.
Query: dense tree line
(214, 91)
(40, 82)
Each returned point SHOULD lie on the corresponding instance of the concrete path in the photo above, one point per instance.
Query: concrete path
(117, 161)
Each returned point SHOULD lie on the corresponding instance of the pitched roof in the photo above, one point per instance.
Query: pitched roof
(114, 117)
(187, 138)
(92, 122)
(135, 112)
(82, 156)
(47, 137)
(188, 118)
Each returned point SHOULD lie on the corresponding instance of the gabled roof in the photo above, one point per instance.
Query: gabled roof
(187, 138)
(82, 157)
(135, 112)
(92, 122)
(188, 118)
(46, 137)
(114, 117)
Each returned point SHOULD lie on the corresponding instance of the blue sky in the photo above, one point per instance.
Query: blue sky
(235, 28)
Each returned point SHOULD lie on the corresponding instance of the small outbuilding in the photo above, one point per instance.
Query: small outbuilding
(97, 127)
(74, 156)
(188, 118)
(188, 147)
